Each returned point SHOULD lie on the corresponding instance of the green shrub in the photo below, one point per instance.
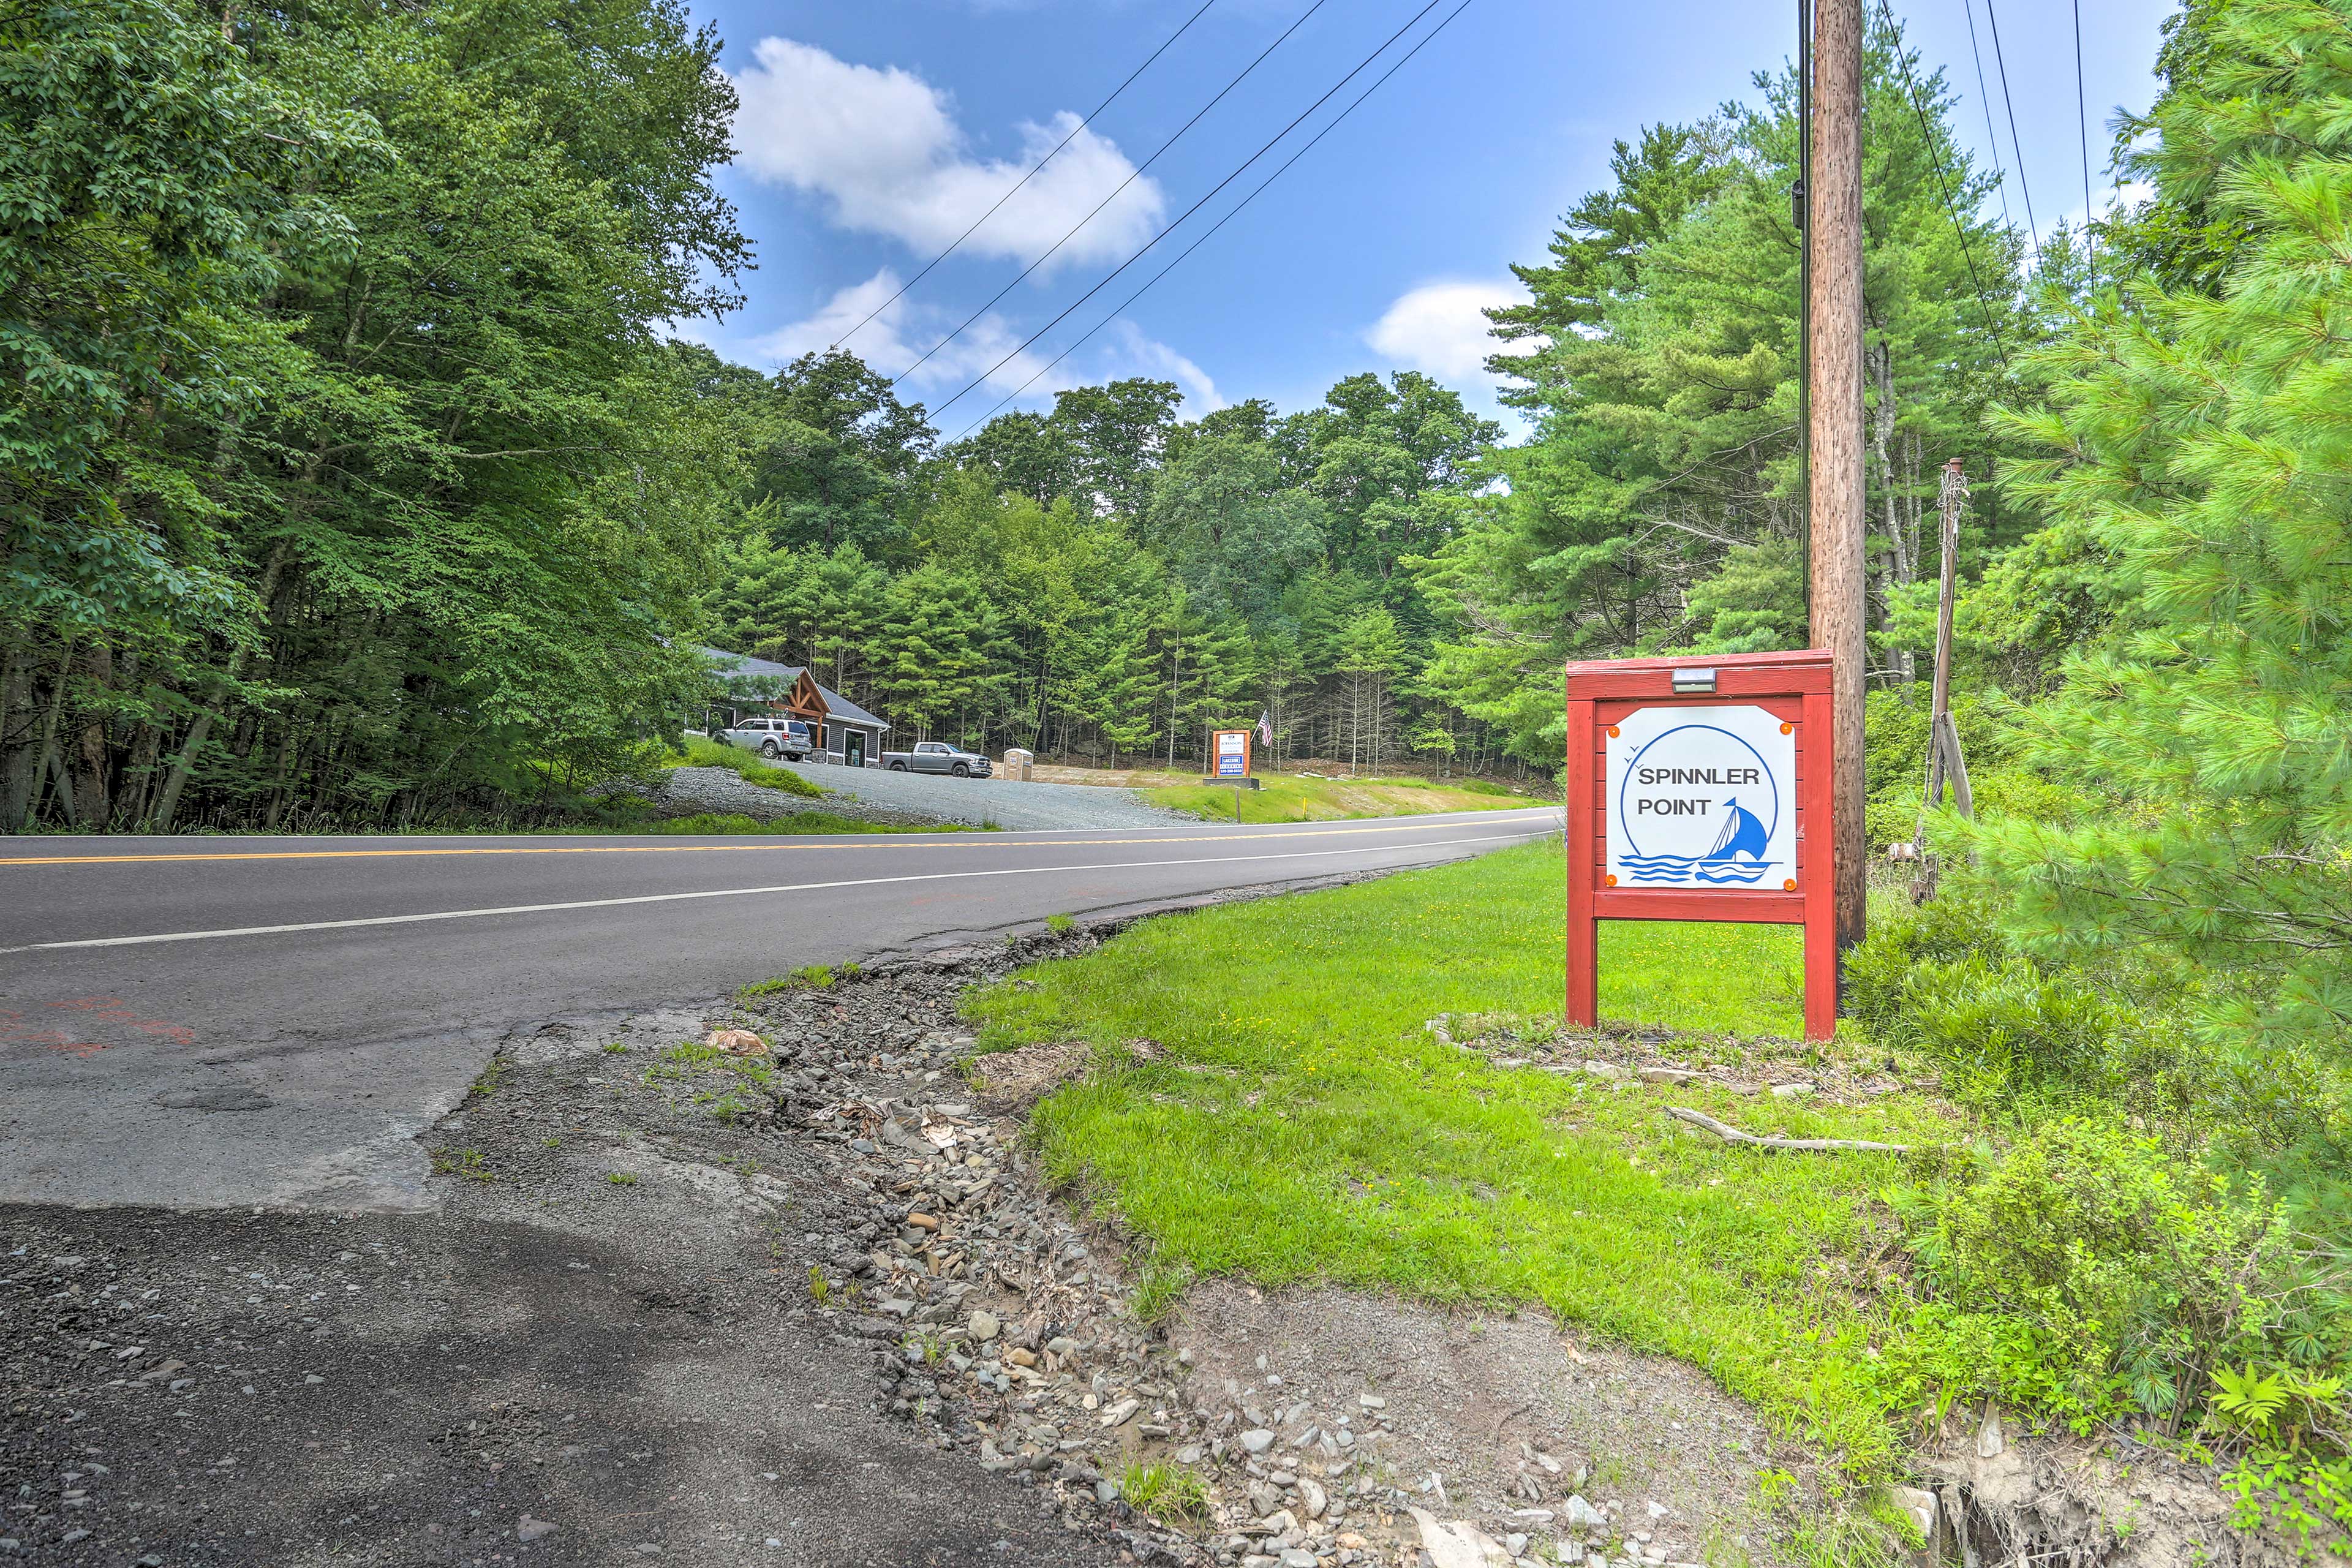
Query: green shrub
(2014, 1033)
(2093, 1275)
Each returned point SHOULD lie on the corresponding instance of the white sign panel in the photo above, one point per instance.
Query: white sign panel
(1702, 798)
(1233, 754)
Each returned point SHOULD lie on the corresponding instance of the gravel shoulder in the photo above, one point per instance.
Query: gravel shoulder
(1019, 805)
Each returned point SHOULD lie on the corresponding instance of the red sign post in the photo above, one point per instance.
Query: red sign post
(1699, 789)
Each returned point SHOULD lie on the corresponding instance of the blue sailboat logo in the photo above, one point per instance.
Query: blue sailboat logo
(1737, 854)
(1742, 834)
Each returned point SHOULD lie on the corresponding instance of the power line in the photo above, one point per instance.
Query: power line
(1234, 212)
(2082, 129)
(1936, 153)
(1136, 175)
(1025, 179)
(1269, 146)
(2017, 146)
(1984, 96)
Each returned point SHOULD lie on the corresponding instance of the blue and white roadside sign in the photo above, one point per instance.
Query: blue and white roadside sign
(1702, 798)
(1233, 754)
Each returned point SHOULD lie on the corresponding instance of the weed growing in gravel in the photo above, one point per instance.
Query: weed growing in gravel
(550, 1143)
(808, 977)
(820, 1288)
(1061, 925)
(489, 1082)
(1162, 1286)
(695, 1052)
(925, 1344)
(620, 1178)
(724, 1108)
(1167, 1492)
(614, 1049)
(466, 1162)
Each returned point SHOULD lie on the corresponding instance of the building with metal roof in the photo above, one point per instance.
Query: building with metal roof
(849, 735)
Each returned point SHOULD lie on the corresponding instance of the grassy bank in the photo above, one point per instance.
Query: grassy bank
(1290, 797)
(703, 753)
(1300, 1123)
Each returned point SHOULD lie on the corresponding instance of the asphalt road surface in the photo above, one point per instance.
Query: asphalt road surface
(193, 1022)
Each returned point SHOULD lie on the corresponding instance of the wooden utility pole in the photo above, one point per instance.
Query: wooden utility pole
(1835, 501)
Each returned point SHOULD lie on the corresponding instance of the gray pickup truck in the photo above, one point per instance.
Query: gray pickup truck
(771, 737)
(936, 757)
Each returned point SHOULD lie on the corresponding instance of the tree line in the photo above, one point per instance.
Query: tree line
(344, 474)
(1107, 582)
(354, 478)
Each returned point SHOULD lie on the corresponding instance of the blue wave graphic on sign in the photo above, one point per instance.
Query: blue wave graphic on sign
(1680, 868)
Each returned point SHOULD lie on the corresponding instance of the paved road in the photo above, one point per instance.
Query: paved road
(213, 1022)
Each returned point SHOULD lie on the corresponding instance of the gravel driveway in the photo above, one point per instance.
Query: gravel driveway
(1007, 803)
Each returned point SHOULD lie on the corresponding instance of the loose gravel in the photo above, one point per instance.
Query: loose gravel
(688, 790)
(1020, 804)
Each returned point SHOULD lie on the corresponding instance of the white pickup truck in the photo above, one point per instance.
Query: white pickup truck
(773, 738)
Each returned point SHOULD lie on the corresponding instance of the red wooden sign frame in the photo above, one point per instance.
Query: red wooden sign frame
(1794, 686)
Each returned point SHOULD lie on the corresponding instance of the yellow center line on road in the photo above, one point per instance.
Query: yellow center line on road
(879, 841)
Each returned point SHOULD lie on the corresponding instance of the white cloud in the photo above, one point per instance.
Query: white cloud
(1148, 356)
(905, 327)
(883, 146)
(1438, 328)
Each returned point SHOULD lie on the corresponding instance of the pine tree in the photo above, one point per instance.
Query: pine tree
(2202, 441)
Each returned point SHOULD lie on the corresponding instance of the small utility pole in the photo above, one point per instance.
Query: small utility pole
(1944, 760)
(1834, 377)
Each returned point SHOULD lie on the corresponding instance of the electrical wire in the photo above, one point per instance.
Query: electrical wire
(1234, 212)
(1025, 179)
(1936, 153)
(2023, 188)
(1984, 96)
(1270, 143)
(1134, 176)
(2082, 129)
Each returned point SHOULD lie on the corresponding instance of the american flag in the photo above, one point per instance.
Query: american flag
(1265, 727)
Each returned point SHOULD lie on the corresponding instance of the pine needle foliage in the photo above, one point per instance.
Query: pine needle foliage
(2203, 440)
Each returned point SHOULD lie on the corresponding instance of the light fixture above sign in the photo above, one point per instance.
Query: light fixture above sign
(1688, 682)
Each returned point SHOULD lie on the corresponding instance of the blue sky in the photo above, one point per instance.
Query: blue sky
(872, 134)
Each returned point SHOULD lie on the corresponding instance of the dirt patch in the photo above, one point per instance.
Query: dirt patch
(1498, 1418)
(1755, 1066)
(1012, 1080)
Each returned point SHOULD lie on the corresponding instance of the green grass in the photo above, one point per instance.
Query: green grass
(704, 753)
(807, 977)
(1302, 1124)
(1166, 1491)
(1287, 798)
